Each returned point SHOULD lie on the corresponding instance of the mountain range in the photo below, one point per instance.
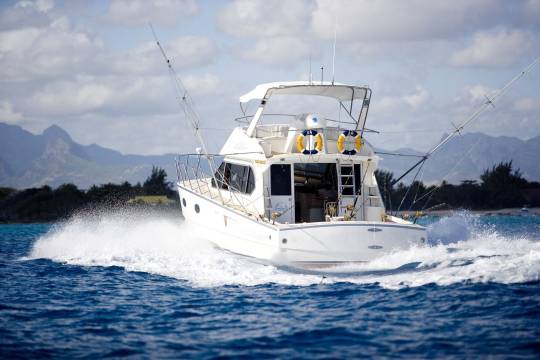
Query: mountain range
(53, 158)
(466, 156)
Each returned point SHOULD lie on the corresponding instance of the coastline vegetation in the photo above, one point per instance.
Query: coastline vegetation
(499, 187)
(45, 204)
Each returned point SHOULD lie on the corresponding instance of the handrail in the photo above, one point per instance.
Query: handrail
(244, 119)
(193, 176)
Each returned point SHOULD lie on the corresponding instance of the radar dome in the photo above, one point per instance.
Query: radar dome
(313, 121)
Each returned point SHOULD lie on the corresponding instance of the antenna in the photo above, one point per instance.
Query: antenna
(489, 102)
(334, 55)
(310, 74)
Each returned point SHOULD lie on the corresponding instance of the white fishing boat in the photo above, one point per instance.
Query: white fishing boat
(301, 192)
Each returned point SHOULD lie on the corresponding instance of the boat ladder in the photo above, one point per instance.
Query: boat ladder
(346, 184)
(268, 208)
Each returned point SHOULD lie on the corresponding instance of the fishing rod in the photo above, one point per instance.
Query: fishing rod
(489, 102)
(188, 107)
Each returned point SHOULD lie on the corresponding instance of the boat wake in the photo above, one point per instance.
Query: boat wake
(459, 250)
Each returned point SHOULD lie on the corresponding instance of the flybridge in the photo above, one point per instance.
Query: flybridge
(338, 91)
(346, 95)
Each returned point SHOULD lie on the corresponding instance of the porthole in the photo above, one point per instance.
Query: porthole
(197, 208)
(184, 202)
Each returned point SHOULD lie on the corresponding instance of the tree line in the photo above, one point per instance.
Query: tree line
(500, 187)
(45, 204)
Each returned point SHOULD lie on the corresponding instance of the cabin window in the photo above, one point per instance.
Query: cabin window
(235, 177)
(222, 175)
(280, 180)
(242, 178)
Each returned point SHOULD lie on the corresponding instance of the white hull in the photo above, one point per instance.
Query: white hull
(306, 244)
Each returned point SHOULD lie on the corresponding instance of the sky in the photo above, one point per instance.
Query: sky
(93, 68)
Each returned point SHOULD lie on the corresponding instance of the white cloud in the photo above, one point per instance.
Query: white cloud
(191, 50)
(141, 12)
(26, 14)
(184, 51)
(416, 53)
(495, 49)
(206, 84)
(466, 100)
(476, 93)
(417, 99)
(532, 12)
(386, 103)
(356, 20)
(32, 53)
(257, 18)
(281, 29)
(41, 5)
(390, 20)
(134, 134)
(121, 95)
(365, 28)
(67, 98)
(54, 67)
(278, 51)
(508, 117)
(7, 114)
(414, 100)
(527, 104)
(58, 50)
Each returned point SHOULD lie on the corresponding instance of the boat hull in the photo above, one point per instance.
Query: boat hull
(305, 245)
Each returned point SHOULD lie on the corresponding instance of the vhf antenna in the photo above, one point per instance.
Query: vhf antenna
(334, 56)
(310, 73)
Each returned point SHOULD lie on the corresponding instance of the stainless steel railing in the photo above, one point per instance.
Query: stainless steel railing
(201, 174)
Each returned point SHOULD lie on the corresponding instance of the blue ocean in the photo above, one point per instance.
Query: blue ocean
(117, 285)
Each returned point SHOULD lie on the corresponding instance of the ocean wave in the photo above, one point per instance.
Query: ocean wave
(459, 250)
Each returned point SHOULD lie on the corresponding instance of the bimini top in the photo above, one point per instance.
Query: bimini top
(338, 91)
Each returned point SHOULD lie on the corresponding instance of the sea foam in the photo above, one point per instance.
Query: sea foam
(459, 250)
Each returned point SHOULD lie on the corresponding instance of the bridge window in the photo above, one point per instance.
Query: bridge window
(235, 177)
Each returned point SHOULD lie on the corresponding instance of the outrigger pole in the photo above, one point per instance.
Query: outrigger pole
(489, 102)
(186, 102)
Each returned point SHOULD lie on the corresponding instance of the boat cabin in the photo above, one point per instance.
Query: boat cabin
(297, 166)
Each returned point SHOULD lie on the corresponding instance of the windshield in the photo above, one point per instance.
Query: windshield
(290, 109)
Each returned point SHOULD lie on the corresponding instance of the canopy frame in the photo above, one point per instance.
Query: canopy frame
(340, 92)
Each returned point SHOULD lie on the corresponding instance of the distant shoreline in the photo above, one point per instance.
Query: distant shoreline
(507, 211)
(130, 211)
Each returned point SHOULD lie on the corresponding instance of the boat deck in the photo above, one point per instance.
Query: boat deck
(202, 187)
